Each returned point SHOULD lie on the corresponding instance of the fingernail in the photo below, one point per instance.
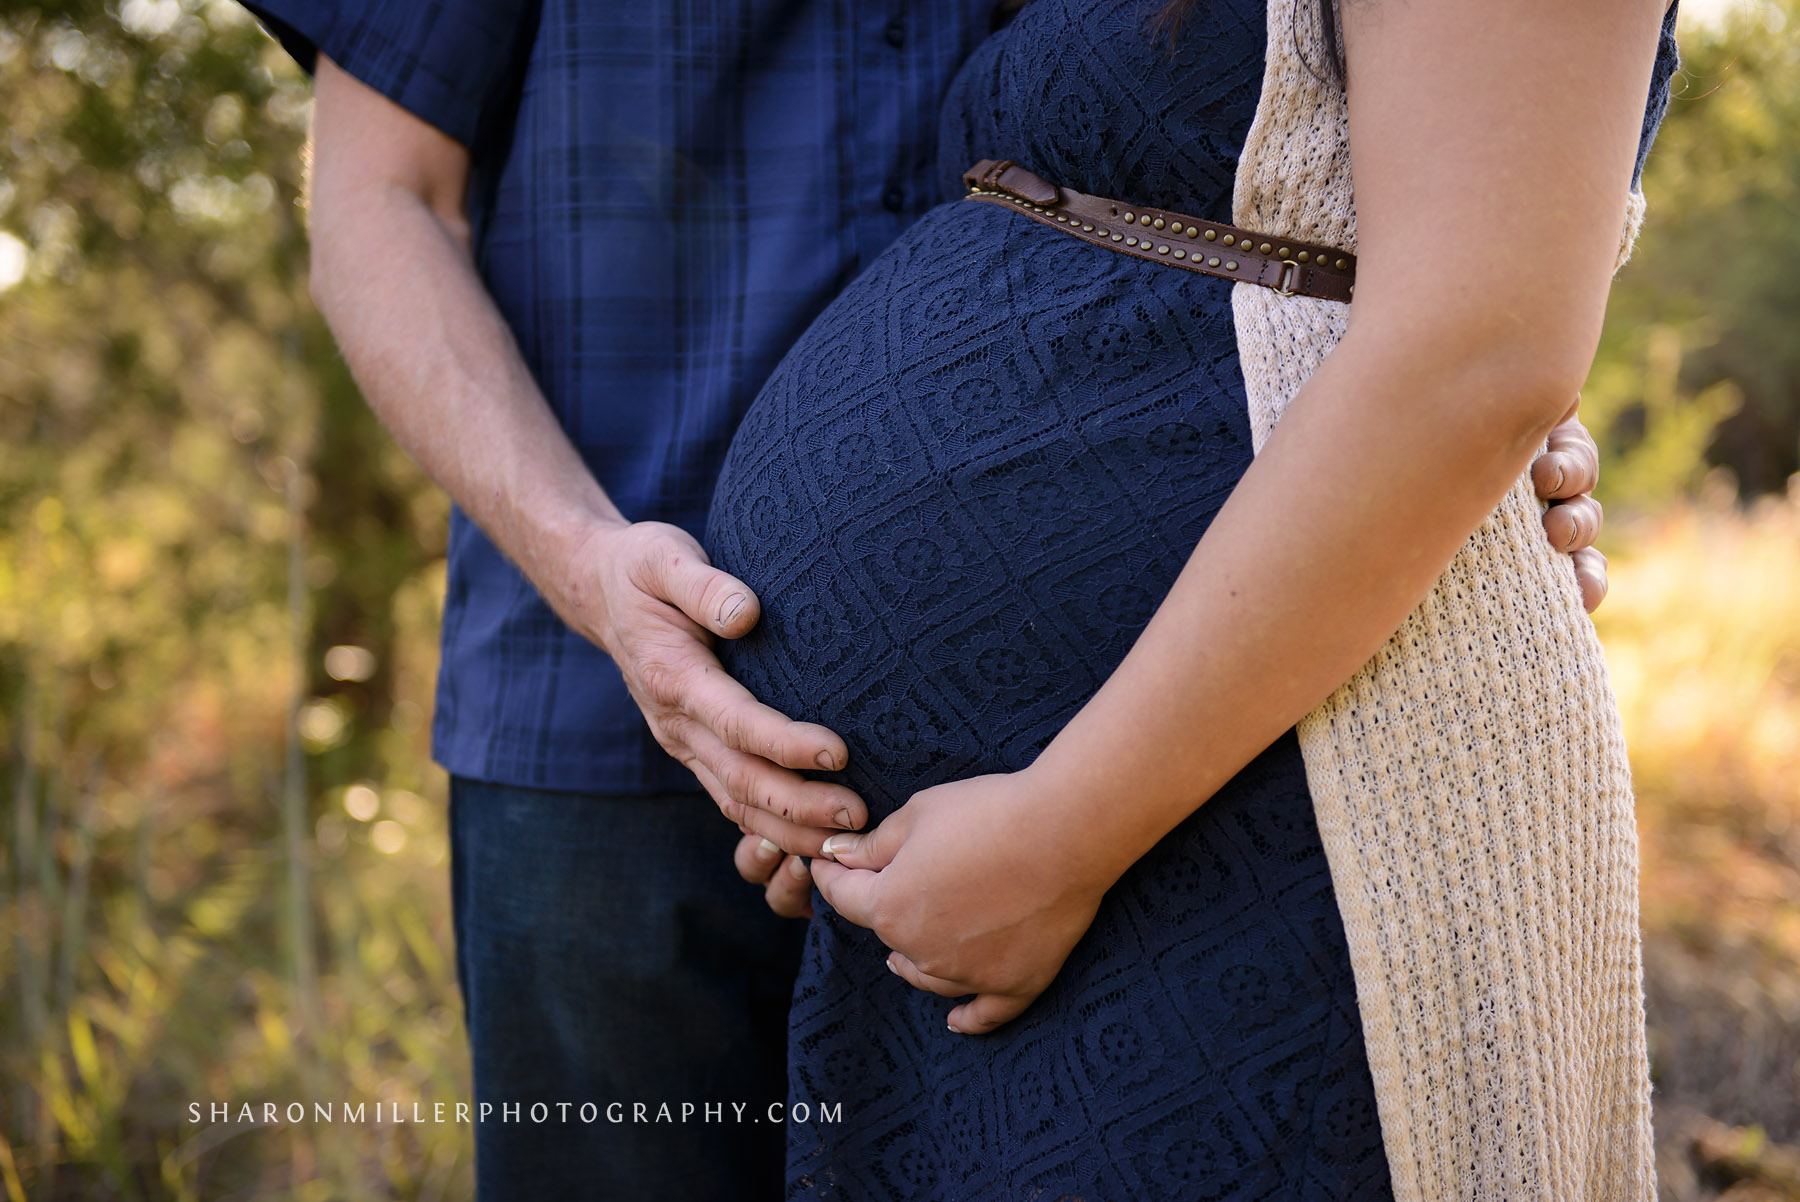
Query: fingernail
(729, 610)
(890, 963)
(842, 818)
(1561, 472)
(797, 868)
(824, 760)
(837, 845)
(766, 852)
(951, 1027)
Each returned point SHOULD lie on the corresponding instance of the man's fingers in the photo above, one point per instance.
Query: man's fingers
(789, 837)
(743, 723)
(676, 570)
(1574, 524)
(1570, 464)
(684, 674)
(986, 1012)
(789, 892)
(851, 891)
(760, 785)
(1559, 474)
(909, 972)
(1590, 573)
(1555, 475)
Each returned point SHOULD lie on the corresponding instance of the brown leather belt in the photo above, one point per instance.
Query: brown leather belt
(1289, 267)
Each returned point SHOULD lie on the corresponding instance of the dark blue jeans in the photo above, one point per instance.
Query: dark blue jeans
(610, 955)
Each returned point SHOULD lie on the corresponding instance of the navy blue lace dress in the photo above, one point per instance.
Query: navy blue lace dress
(960, 497)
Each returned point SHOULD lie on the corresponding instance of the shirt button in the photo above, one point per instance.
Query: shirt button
(896, 33)
(893, 200)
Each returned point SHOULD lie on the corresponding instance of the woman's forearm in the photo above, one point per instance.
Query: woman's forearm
(1491, 147)
(1482, 274)
(1297, 582)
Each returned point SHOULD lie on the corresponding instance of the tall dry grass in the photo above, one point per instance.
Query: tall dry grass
(1702, 632)
(146, 943)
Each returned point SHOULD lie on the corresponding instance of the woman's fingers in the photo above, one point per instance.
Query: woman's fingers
(987, 1012)
(1590, 573)
(850, 891)
(1574, 524)
(869, 849)
(789, 892)
(786, 880)
(984, 1013)
(913, 975)
(756, 858)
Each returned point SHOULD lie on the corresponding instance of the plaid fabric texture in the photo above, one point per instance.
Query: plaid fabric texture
(664, 195)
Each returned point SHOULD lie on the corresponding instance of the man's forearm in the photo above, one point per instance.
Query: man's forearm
(440, 367)
(393, 275)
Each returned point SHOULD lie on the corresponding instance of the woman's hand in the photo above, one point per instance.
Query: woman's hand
(973, 890)
(1565, 475)
(786, 880)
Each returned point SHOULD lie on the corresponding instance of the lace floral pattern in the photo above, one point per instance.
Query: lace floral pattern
(961, 497)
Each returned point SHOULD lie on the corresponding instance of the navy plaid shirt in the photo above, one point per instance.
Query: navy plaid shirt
(663, 196)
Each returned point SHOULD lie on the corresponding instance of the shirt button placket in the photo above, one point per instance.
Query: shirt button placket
(886, 85)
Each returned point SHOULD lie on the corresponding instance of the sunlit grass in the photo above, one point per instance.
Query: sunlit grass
(192, 1003)
(156, 975)
(1702, 632)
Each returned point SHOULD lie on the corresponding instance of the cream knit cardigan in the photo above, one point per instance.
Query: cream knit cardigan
(1470, 782)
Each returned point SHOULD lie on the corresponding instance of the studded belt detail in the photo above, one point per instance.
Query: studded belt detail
(1289, 267)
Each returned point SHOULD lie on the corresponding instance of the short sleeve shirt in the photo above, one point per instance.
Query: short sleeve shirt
(663, 197)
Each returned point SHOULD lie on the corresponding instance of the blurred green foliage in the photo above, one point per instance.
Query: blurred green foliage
(182, 445)
(1700, 364)
(219, 585)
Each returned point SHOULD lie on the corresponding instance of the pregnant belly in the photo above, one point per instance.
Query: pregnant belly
(965, 490)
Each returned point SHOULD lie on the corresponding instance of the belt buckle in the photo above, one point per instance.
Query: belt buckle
(1026, 187)
(1287, 277)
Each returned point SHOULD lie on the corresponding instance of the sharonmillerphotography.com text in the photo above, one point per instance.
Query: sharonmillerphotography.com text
(360, 1113)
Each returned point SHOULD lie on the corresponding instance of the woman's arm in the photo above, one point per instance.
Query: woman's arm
(1492, 145)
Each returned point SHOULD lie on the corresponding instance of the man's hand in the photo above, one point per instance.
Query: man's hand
(648, 596)
(440, 366)
(973, 894)
(1565, 475)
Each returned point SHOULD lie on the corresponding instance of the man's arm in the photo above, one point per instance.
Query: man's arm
(393, 275)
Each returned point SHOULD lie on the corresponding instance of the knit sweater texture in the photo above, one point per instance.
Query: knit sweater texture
(1470, 781)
